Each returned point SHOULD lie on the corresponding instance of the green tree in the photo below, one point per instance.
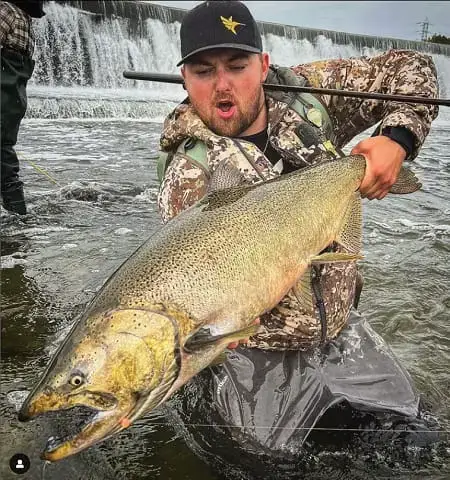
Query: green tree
(439, 39)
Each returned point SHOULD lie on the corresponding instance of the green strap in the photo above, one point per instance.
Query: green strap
(306, 105)
(162, 163)
(194, 149)
(300, 105)
(299, 102)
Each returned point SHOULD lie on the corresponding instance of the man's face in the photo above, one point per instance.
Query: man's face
(224, 87)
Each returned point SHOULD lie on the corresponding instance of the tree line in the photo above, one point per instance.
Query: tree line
(439, 39)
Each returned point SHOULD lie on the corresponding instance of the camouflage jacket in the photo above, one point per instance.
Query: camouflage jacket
(289, 325)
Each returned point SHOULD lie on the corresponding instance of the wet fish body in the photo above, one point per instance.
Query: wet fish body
(194, 286)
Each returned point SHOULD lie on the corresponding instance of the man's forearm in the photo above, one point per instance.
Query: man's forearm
(395, 72)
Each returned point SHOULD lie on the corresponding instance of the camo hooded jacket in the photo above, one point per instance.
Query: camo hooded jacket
(289, 325)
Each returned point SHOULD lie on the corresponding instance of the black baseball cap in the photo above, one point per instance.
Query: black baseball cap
(218, 24)
(34, 8)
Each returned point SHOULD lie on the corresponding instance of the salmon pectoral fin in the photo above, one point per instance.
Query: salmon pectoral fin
(203, 337)
(221, 358)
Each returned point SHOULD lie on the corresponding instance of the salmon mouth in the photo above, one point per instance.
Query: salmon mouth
(101, 416)
(105, 423)
(100, 426)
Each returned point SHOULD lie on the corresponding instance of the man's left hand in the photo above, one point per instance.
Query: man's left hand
(384, 160)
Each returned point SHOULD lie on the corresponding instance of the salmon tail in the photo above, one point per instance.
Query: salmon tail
(407, 182)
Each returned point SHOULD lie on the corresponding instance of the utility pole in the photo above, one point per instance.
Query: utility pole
(424, 30)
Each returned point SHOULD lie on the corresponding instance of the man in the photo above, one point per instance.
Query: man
(17, 46)
(276, 387)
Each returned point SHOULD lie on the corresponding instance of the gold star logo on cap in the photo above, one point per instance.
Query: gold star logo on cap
(230, 24)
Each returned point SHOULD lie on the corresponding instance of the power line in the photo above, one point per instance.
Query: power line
(424, 30)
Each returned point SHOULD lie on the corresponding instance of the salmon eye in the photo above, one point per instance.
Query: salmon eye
(76, 380)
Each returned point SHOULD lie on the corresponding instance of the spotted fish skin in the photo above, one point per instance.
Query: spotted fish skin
(193, 287)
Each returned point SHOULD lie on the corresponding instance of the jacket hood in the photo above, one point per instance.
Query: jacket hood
(182, 123)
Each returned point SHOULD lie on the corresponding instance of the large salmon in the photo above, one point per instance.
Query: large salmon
(196, 285)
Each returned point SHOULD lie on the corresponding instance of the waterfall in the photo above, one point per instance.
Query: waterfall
(81, 55)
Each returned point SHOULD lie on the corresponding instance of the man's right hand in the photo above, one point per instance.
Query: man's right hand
(384, 161)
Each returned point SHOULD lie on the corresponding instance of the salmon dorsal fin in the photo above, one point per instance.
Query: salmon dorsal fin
(225, 176)
(222, 198)
(227, 185)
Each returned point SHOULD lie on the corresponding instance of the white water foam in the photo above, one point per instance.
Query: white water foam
(80, 62)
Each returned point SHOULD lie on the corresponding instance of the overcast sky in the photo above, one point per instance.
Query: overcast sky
(398, 19)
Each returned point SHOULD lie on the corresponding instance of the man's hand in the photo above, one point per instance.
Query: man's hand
(384, 161)
(245, 340)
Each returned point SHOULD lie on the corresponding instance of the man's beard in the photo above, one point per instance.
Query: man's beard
(234, 127)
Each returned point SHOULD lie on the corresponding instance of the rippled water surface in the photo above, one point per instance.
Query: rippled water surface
(103, 207)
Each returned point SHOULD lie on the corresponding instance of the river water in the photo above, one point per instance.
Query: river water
(98, 204)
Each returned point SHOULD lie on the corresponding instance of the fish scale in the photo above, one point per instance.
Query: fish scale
(224, 238)
(196, 285)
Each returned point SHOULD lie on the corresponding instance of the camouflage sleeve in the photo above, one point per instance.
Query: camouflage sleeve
(183, 185)
(400, 72)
